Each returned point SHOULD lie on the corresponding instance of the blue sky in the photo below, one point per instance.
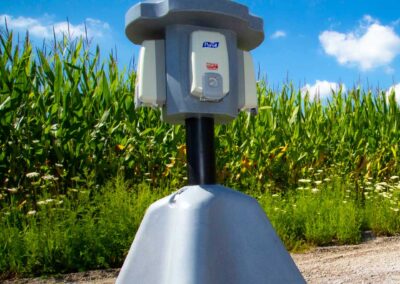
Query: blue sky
(315, 44)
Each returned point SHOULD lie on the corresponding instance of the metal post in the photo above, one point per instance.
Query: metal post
(200, 150)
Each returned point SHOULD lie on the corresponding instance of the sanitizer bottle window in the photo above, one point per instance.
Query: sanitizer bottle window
(209, 66)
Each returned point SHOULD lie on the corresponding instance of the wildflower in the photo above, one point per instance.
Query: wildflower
(61, 202)
(41, 202)
(310, 169)
(275, 195)
(12, 190)
(49, 177)
(300, 188)
(119, 147)
(315, 190)
(49, 200)
(59, 165)
(395, 209)
(368, 183)
(394, 177)
(32, 175)
(320, 171)
(304, 180)
(32, 212)
(327, 179)
(382, 184)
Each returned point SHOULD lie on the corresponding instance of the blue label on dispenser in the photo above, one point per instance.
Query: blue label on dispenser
(208, 44)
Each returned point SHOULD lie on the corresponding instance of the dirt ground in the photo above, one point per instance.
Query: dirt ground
(374, 261)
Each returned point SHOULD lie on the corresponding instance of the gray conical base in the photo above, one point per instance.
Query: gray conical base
(207, 234)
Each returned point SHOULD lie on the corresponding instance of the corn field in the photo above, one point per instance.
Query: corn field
(67, 120)
(79, 164)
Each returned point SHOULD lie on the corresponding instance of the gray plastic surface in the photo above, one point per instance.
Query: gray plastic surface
(148, 19)
(207, 234)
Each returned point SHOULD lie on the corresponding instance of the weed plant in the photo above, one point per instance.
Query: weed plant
(93, 229)
(79, 231)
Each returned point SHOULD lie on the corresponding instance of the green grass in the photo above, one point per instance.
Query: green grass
(85, 229)
(315, 215)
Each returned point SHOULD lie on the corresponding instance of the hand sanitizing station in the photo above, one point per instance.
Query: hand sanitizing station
(195, 65)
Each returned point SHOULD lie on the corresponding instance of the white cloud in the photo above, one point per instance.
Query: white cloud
(371, 45)
(396, 90)
(278, 34)
(322, 89)
(42, 28)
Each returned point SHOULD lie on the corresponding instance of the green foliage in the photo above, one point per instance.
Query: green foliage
(65, 114)
(79, 231)
(354, 134)
(323, 212)
(94, 228)
(323, 171)
(382, 208)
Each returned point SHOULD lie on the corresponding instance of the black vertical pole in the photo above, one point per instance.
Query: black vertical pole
(200, 150)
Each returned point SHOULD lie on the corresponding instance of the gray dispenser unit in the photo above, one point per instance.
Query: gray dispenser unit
(195, 65)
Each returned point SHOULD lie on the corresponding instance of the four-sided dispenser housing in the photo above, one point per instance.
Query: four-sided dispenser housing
(195, 65)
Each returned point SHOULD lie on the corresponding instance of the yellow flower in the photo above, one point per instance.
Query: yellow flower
(119, 147)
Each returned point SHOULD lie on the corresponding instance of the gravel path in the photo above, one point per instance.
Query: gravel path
(375, 261)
